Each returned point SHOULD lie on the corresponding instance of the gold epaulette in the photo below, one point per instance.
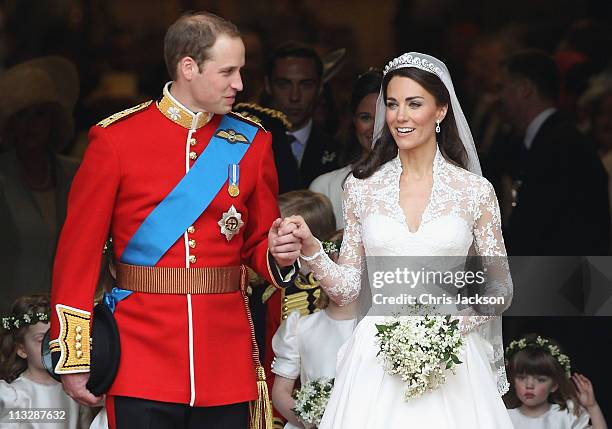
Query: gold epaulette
(73, 340)
(276, 114)
(123, 114)
(251, 119)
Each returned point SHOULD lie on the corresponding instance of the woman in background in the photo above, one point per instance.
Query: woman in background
(358, 141)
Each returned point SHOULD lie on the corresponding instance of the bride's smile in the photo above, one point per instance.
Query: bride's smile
(411, 113)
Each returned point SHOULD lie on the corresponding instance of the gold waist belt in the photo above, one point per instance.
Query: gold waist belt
(180, 280)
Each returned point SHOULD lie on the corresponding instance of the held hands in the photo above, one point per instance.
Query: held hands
(74, 386)
(310, 245)
(283, 245)
(289, 238)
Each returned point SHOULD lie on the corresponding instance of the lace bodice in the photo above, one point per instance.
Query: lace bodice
(462, 212)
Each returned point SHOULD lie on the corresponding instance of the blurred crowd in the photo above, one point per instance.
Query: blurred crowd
(541, 120)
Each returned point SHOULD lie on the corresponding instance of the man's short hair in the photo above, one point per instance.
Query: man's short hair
(192, 35)
(294, 50)
(539, 68)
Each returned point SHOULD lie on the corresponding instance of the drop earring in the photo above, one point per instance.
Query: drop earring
(437, 127)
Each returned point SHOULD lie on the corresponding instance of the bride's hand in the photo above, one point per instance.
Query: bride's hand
(310, 245)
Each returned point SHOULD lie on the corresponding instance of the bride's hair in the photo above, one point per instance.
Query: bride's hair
(385, 148)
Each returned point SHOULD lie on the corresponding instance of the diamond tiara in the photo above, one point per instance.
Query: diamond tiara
(408, 60)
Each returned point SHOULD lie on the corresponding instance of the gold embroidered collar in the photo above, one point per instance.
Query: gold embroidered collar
(172, 109)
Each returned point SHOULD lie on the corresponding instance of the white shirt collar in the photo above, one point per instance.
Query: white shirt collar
(303, 134)
(536, 124)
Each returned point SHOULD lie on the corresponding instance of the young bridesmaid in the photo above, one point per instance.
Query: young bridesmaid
(24, 382)
(543, 395)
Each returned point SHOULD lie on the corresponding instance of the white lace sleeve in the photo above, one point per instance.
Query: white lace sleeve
(489, 246)
(342, 281)
(484, 320)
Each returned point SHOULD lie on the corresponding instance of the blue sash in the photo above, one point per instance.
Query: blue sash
(190, 197)
(114, 297)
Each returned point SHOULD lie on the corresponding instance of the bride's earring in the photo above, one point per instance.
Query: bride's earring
(437, 126)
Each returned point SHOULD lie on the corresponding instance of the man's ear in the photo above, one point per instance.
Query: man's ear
(187, 68)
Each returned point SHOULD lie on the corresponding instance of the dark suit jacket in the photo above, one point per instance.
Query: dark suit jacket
(320, 156)
(562, 206)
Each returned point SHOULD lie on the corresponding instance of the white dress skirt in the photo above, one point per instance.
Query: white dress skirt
(365, 396)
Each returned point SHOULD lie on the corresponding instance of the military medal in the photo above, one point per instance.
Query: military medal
(230, 223)
(233, 190)
(233, 177)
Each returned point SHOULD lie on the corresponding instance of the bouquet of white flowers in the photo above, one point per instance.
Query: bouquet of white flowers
(311, 399)
(420, 350)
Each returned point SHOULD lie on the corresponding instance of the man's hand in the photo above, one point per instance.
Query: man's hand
(74, 386)
(283, 245)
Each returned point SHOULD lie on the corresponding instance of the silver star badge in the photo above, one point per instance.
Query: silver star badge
(230, 223)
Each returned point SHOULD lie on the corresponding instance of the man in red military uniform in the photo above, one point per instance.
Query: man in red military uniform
(188, 192)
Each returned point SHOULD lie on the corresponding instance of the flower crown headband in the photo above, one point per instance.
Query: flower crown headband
(11, 322)
(409, 60)
(540, 343)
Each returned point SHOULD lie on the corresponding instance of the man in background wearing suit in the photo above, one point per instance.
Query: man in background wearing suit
(293, 82)
(558, 186)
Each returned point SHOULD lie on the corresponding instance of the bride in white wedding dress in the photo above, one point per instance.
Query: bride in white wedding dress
(420, 193)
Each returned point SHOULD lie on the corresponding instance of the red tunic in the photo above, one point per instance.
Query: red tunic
(129, 167)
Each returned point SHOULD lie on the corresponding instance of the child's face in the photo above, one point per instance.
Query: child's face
(30, 348)
(533, 390)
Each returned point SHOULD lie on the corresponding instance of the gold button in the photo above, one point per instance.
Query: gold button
(79, 354)
(192, 259)
(285, 308)
(192, 243)
(193, 156)
(78, 329)
(285, 299)
(78, 337)
(191, 229)
(78, 346)
(284, 317)
(193, 141)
